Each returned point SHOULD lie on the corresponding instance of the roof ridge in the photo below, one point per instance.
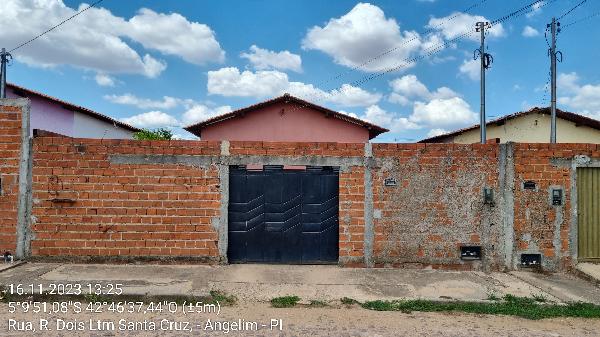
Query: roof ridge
(373, 128)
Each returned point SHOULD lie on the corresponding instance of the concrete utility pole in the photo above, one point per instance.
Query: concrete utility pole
(554, 28)
(4, 59)
(486, 61)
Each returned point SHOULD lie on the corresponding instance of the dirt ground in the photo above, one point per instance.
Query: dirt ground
(308, 321)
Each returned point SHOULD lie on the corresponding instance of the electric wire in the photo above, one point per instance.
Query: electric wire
(571, 10)
(387, 52)
(581, 19)
(56, 26)
(431, 51)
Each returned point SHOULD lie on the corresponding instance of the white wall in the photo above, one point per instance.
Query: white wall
(85, 126)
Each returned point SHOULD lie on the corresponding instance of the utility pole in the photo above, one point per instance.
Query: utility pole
(486, 61)
(554, 28)
(4, 59)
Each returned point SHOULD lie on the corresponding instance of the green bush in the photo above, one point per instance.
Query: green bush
(156, 134)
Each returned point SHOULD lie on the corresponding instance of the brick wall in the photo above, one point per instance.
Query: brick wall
(87, 206)
(123, 198)
(10, 147)
(437, 205)
(539, 226)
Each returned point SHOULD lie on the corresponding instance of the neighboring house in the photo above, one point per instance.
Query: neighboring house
(57, 116)
(286, 119)
(531, 126)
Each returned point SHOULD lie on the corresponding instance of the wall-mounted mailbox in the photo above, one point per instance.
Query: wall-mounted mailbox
(531, 260)
(390, 182)
(557, 197)
(488, 196)
(529, 185)
(470, 252)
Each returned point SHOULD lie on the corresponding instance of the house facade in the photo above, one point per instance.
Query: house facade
(57, 116)
(531, 126)
(286, 119)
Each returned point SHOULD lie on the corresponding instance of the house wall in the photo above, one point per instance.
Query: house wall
(49, 116)
(85, 126)
(533, 128)
(286, 123)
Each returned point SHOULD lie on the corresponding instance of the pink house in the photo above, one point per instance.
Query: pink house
(286, 119)
(57, 116)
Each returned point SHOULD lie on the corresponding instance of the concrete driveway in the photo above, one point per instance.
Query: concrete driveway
(263, 282)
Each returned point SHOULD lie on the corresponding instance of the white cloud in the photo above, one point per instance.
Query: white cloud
(194, 114)
(361, 34)
(152, 119)
(378, 116)
(568, 82)
(231, 82)
(442, 107)
(436, 132)
(349, 95)
(536, 9)
(583, 99)
(144, 103)
(263, 59)
(199, 113)
(451, 112)
(173, 34)
(99, 40)
(408, 88)
(104, 80)
(529, 31)
(462, 23)
(471, 68)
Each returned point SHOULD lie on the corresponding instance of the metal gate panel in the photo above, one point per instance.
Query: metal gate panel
(281, 216)
(588, 213)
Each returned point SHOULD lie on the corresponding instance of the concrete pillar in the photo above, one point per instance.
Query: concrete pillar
(25, 181)
(369, 230)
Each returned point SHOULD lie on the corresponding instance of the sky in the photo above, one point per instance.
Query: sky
(405, 65)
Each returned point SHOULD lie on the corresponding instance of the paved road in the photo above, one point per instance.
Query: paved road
(320, 322)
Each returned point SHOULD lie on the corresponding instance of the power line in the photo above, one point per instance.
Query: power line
(442, 46)
(58, 25)
(430, 30)
(572, 9)
(433, 50)
(581, 19)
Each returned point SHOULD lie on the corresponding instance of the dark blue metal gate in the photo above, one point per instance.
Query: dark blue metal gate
(283, 216)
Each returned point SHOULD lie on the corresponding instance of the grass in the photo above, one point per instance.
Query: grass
(318, 304)
(222, 298)
(530, 308)
(285, 301)
(493, 297)
(348, 301)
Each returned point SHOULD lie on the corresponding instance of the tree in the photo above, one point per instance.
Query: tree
(156, 134)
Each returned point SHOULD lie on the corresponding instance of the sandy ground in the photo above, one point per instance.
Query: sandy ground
(316, 322)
